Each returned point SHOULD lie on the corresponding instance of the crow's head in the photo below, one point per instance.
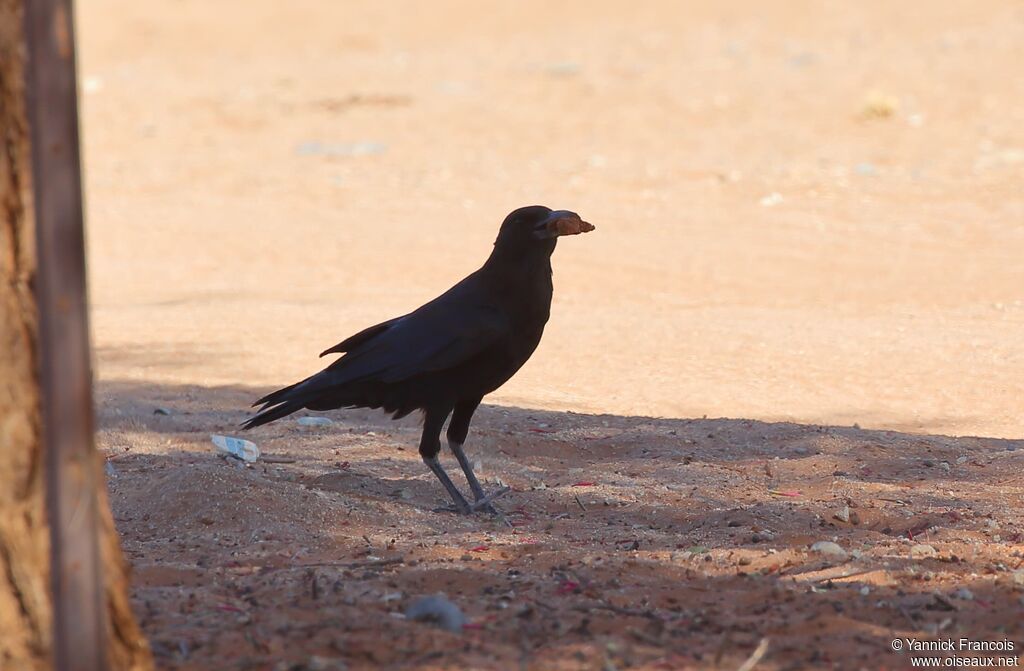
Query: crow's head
(536, 227)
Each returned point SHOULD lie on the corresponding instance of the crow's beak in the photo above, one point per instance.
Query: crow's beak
(563, 222)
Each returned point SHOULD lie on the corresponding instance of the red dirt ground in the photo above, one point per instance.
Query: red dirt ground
(809, 216)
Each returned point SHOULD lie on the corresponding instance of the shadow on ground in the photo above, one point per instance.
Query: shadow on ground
(627, 542)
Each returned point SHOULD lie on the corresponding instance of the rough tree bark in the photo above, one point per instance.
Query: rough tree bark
(25, 600)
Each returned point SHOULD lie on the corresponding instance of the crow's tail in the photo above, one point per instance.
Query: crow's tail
(278, 404)
(275, 397)
(323, 391)
(274, 412)
(342, 384)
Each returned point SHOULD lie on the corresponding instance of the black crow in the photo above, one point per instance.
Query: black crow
(445, 356)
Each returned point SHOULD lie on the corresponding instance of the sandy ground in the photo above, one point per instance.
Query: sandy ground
(810, 219)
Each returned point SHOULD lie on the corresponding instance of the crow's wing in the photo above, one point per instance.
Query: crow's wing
(446, 332)
(364, 336)
(442, 334)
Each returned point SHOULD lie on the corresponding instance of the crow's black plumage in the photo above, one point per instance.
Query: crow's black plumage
(443, 357)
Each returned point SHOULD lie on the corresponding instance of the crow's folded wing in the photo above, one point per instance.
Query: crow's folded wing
(364, 336)
(442, 334)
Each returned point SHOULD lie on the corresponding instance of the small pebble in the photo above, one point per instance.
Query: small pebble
(162, 411)
(438, 610)
(843, 515)
(314, 421)
(879, 105)
(922, 551)
(829, 548)
(964, 593)
(316, 148)
(317, 663)
(565, 69)
(92, 84)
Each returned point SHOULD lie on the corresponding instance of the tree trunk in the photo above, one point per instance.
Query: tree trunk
(25, 598)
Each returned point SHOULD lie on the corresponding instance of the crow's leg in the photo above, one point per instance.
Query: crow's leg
(430, 446)
(458, 429)
(461, 504)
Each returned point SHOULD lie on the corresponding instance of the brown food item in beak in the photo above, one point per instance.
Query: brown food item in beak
(569, 226)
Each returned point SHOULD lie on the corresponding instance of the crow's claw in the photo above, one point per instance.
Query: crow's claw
(485, 502)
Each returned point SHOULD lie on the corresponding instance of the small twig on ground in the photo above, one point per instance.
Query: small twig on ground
(579, 503)
(314, 587)
(257, 642)
(276, 460)
(650, 615)
(944, 601)
(845, 575)
(644, 637)
(543, 604)
(755, 656)
(722, 645)
(905, 614)
(376, 563)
